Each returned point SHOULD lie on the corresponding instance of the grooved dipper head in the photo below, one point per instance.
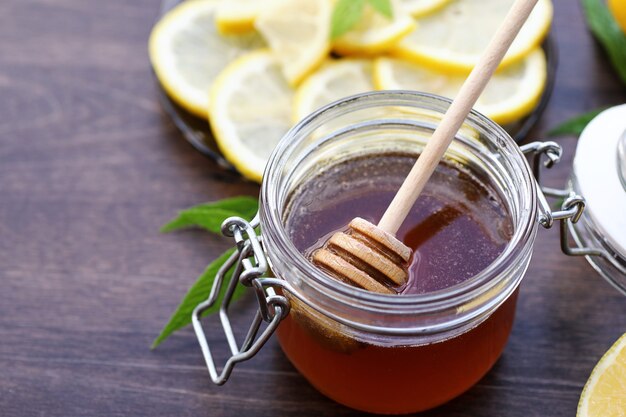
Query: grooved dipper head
(366, 257)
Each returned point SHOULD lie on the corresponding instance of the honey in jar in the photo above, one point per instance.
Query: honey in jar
(472, 231)
(458, 226)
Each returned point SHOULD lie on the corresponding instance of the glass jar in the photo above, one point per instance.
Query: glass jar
(599, 174)
(375, 352)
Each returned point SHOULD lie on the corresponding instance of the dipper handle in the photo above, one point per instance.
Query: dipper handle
(454, 117)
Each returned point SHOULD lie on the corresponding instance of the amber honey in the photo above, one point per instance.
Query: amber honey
(402, 379)
(457, 228)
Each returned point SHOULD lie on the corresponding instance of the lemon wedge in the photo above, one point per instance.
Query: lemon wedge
(337, 78)
(453, 38)
(187, 53)
(250, 111)
(298, 34)
(511, 93)
(375, 33)
(237, 16)
(422, 7)
(604, 394)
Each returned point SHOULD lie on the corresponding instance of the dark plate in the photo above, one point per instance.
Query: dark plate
(197, 131)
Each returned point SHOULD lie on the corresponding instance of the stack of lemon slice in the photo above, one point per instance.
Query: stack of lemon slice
(255, 67)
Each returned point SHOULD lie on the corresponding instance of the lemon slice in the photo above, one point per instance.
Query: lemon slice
(375, 33)
(250, 111)
(422, 7)
(604, 394)
(237, 16)
(334, 80)
(511, 93)
(297, 32)
(453, 38)
(187, 53)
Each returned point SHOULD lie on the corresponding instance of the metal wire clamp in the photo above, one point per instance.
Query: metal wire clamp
(249, 265)
(573, 204)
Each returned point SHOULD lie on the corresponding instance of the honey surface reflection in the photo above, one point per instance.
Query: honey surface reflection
(458, 227)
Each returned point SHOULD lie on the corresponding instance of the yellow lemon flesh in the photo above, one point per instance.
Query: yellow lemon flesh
(187, 53)
(375, 33)
(604, 394)
(422, 7)
(298, 34)
(453, 38)
(237, 16)
(511, 93)
(337, 78)
(250, 111)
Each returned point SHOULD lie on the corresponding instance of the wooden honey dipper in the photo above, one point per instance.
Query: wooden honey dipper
(369, 256)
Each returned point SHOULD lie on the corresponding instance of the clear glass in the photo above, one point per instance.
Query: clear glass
(612, 265)
(411, 338)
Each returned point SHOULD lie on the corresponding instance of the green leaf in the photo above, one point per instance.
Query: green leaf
(576, 125)
(606, 30)
(198, 293)
(346, 14)
(211, 215)
(383, 7)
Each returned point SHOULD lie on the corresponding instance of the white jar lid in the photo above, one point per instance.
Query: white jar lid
(596, 170)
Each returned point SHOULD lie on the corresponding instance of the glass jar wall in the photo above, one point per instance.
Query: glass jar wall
(403, 353)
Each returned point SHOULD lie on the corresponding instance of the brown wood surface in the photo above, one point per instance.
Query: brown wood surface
(90, 167)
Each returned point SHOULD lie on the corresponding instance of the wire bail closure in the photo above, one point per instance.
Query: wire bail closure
(249, 266)
(573, 204)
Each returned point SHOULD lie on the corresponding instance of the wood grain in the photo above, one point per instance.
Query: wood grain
(90, 168)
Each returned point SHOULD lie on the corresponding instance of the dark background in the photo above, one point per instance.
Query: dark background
(90, 167)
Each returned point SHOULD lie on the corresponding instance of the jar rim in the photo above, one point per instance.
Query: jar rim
(465, 291)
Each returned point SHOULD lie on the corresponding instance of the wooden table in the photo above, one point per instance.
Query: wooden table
(90, 167)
